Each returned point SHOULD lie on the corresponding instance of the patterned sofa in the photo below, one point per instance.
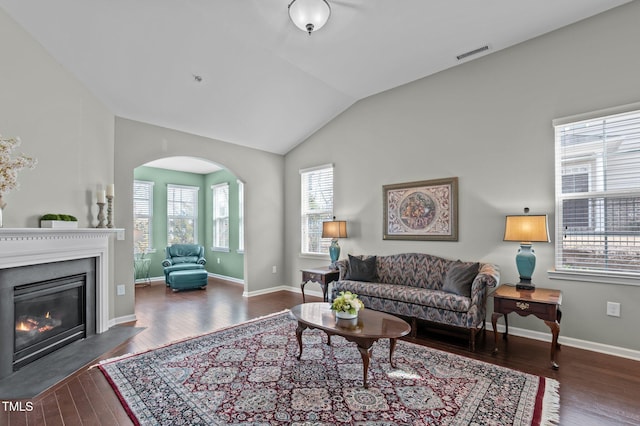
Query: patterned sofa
(422, 286)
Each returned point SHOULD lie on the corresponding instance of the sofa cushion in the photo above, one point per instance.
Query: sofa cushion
(408, 294)
(412, 269)
(361, 269)
(459, 278)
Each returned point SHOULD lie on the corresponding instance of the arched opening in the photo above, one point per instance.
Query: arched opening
(183, 199)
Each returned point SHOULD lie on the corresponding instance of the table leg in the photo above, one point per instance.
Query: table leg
(366, 356)
(302, 290)
(494, 320)
(392, 348)
(301, 327)
(555, 330)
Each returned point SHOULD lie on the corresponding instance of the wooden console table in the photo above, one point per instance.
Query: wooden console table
(543, 303)
(322, 276)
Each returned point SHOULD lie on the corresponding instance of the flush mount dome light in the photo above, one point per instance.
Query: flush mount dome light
(309, 15)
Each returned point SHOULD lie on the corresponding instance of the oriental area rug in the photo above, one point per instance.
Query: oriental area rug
(249, 374)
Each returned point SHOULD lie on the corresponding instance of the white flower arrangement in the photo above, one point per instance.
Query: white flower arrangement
(9, 167)
(347, 302)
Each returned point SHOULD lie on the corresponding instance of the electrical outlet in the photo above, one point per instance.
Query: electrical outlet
(613, 309)
(218, 260)
(120, 290)
(274, 270)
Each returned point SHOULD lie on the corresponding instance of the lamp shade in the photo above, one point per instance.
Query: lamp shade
(334, 229)
(526, 228)
(309, 15)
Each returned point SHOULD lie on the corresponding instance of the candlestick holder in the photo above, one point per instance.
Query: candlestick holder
(109, 211)
(100, 215)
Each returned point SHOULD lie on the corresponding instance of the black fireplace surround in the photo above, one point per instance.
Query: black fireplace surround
(44, 307)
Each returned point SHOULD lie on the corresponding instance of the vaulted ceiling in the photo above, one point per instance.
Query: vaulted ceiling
(241, 72)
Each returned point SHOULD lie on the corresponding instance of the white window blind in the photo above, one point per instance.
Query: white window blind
(317, 207)
(598, 195)
(142, 217)
(220, 216)
(182, 214)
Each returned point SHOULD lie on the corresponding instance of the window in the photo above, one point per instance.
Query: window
(220, 217)
(240, 217)
(317, 207)
(182, 214)
(142, 217)
(598, 194)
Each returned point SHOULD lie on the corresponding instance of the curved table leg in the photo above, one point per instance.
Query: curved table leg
(366, 356)
(555, 330)
(392, 349)
(301, 327)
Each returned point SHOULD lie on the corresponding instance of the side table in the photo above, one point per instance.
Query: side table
(543, 303)
(322, 276)
(141, 270)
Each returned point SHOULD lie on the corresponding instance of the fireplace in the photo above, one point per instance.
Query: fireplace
(47, 316)
(49, 255)
(44, 307)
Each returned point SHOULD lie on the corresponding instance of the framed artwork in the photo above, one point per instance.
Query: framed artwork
(425, 210)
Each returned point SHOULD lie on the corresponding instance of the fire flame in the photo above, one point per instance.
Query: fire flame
(22, 326)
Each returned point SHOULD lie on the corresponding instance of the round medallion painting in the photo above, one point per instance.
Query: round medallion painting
(417, 211)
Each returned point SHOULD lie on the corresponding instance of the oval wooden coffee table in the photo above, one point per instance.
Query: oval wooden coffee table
(364, 331)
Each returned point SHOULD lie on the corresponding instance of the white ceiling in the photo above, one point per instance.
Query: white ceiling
(266, 84)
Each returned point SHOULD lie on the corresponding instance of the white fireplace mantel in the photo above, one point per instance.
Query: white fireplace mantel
(31, 246)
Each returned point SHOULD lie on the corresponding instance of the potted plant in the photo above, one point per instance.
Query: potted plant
(60, 221)
(347, 305)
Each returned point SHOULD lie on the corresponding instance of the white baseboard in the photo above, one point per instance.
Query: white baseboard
(226, 278)
(148, 281)
(570, 341)
(283, 288)
(122, 320)
(266, 291)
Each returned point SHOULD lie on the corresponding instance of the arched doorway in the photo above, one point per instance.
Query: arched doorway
(188, 200)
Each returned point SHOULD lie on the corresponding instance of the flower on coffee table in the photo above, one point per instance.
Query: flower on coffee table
(347, 302)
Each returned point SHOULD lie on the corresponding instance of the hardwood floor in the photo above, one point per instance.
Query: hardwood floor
(595, 389)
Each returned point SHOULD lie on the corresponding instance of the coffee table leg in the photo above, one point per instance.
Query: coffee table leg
(392, 348)
(366, 356)
(301, 327)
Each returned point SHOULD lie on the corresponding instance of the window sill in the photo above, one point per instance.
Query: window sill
(594, 277)
(220, 249)
(314, 256)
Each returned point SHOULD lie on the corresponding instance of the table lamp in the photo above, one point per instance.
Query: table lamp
(334, 229)
(526, 229)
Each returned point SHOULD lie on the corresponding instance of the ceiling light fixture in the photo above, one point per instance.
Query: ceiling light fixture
(309, 15)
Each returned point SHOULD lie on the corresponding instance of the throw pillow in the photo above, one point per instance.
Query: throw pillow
(361, 269)
(459, 278)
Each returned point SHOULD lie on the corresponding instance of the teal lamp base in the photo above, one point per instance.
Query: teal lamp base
(526, 263)
(334, 252)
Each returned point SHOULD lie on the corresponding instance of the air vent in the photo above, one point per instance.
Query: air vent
(472, 52)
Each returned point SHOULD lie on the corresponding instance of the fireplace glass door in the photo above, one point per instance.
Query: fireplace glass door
(48, 315)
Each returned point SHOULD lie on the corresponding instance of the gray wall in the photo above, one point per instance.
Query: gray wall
(487, 122)
(138, 143)
(62, 125)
